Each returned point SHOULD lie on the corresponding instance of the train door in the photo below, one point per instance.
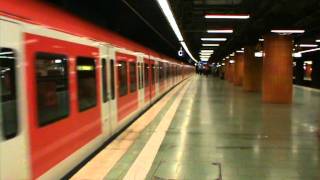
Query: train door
(13, 134)
(112, 93)
(157, 85)
(152, 71)
(126, 85)
(140, 65)
(146, 70)
(105, 91)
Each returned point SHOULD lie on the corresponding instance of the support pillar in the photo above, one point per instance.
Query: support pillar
(252, 77)
(238, 73)
(277, 69)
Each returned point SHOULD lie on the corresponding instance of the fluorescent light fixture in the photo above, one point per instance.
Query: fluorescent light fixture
(214, 39)
(308, 62)
(261, 39)
(220, 31)
(287, 31)
(310, 50)
(308, 45)
(231, 61)
(240, 51)
(232, 54)
(165, 7)
(297, 55)
(205, 55)
(318, 40)
(258, 54)
(227, 16)
(207, 51)
(211, 45)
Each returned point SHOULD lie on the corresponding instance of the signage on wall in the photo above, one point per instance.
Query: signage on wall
(181, 52)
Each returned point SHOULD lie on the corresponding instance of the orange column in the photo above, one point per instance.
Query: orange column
(239, 58)
(252, 77)
(277, 69)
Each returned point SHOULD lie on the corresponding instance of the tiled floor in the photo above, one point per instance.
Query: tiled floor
(220, 124)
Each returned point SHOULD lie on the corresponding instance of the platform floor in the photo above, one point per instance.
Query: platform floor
(207, 127)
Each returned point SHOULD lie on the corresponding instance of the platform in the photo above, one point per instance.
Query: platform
(206, 128)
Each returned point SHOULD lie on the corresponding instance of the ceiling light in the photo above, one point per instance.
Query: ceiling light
(213, 39)
(297, 55)
(318, 40)
(211, 45)
(225, 16)
(221, 31)
(261, 39)
(287, 31)
(165, 7)
(211, 51)
(258, 54)
(308, 45)
(232, 54)
(310, 50)
(231, 61)
(240, 51)
(205, 54)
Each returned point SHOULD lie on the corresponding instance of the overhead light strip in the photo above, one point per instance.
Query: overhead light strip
(220, 31)
(308, 45)
(310, 50)
(165, 7)
(227, 16)
(211, 45)
(207, 51)
(287, 31)
(214, 39)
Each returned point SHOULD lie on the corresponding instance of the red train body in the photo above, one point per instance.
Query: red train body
(67, 86)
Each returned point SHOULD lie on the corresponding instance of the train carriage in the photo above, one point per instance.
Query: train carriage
(66, 90)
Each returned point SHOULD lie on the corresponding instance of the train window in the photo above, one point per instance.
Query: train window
(86, 80)
(153, 74)
(133, 76)
(141, 76)
(146, 74)
(52, 87)
(122, 76)
(104, 80)
(112, 78)
(8, 111)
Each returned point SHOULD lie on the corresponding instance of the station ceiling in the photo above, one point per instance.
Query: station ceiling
(143, 21)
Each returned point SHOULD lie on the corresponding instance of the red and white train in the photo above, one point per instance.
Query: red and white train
(67, 86)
